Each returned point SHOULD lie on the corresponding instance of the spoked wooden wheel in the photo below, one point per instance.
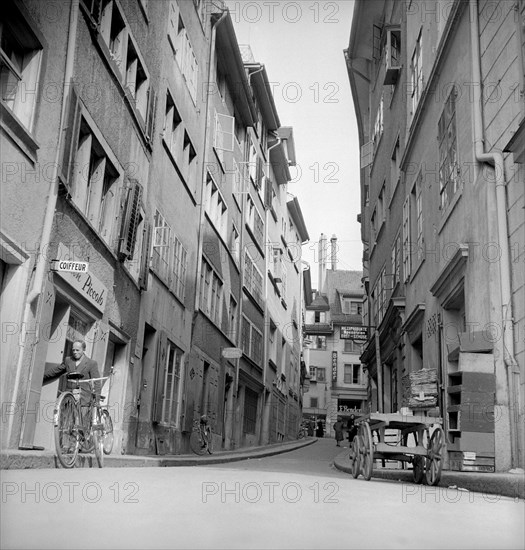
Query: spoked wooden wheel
(367, 451)
(97, 433)
(355, 458)
(108, 432)
(434, 460)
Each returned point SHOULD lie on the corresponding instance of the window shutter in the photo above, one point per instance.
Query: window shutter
(145, 257)
(130, 220)
(367, 154)
(70, 138)
(150, 118)
(269, 192)
(160, 374)
(406, 239)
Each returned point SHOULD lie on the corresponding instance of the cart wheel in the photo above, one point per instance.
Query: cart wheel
(355, 459)
(367, 451)
(434, 460)
(418, 469)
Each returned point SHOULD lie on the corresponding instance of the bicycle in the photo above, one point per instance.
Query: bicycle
(201, 438)
(303, 432)
(74, 430)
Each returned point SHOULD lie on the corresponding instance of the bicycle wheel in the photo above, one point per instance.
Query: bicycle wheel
(66, 422)
(86, 442)
(209, 442)
(97, 431)
(108, 431)
(197, 443)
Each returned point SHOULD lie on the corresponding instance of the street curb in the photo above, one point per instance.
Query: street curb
(22, 460)
(502, 484)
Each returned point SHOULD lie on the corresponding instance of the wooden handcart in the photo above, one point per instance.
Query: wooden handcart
(426, 455)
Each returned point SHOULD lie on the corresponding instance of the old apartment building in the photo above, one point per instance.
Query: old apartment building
(141, 142)
(438, 92)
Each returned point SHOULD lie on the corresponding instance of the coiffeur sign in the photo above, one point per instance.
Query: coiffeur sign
(84, 283)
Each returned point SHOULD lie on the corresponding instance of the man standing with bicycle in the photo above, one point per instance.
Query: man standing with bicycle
(78, 362)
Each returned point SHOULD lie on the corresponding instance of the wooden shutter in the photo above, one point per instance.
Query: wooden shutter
(160, 374)
(130, 220)
(70, 138)
(150, 117)
(145, 257)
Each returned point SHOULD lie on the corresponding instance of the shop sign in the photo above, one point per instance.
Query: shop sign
(69, 266)
(334, 366)
(232, 353)
(85, 284)
(358, 334)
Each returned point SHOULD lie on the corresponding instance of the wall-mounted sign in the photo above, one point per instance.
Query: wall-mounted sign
(358, 334)
(334, 367)
(85, 284)
(232, 353)
(67, 265)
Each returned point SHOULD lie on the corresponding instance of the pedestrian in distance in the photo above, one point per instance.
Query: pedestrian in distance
(319, 432)
(338, 427)
(351, 427)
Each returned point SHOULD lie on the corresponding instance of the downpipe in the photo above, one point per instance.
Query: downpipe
(495, 159)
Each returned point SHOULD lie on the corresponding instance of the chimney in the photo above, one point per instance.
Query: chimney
(333, 242)
(322, 261)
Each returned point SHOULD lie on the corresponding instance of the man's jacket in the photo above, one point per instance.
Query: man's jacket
(88, 367)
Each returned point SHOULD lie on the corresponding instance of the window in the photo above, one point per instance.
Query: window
(272, 336)
(211, 293)
(178, 143)
(374, 225)
(351, 346)
(169, 257)
(321, 374)
(352, 307)
(406, 240)
(378, 124)
(395, 261)
(235, 244)
(319, 342)
(171, 384)
(251, 341)
(136, 79)
(216, 207)
(184, 53)
(448, 161)
(223, 136)
(95, 180)
(394, 168)
(20, 58)
(379, 298)
(250, 411)
(255, 222)
(392, 56)
(314, 402)
(416, 73)
(232, 319)
(352, 374)
(418, 222)
(253, 279)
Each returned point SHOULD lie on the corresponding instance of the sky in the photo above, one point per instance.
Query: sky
(301, 45)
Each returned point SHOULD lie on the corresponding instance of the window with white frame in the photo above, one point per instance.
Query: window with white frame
(448, 160)
(255, 222)
(216, 206)
(320, 374)
(171, 385)
(351, 347)
(95, 179)
(352, 374)
(318, 342)
(416, 72)
(395, 261)
(211, 293)
(251, 341)
(253, 279)
(380, 301)
(352, 307)
(20, 60)
(416, 199)
(272, 337)
(394, 168)
(223, 137)
(136, 79)
(169, 257)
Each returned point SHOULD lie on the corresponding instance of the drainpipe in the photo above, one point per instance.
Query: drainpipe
(498, 193)
(41, 260)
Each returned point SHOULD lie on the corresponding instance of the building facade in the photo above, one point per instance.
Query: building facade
(441, 158)
(142, 143)
(334, 334)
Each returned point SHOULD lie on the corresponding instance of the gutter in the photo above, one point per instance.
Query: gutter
(498, 194)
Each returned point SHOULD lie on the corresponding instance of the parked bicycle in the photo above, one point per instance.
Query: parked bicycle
(75, 430)
(303, 431)
(201, 438)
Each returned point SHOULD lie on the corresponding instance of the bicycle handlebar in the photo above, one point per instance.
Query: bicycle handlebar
(93, 379)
